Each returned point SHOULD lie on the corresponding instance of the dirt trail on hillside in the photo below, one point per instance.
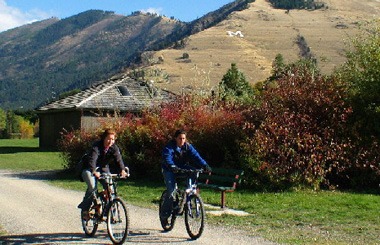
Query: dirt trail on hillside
(34, 212)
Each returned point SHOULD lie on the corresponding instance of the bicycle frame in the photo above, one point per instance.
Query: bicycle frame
(111, 192)
(104, 198)
(188, 200)
(186, 192)
(108, 207)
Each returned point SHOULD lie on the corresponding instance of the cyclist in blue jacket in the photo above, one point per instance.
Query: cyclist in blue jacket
(177, 154)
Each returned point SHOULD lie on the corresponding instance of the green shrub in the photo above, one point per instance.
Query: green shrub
(15, 126)
(362, 73)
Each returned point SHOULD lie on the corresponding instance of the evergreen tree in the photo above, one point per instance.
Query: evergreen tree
(278, 67)
(234, 85)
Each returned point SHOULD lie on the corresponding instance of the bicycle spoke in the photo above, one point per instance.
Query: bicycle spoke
(194, 217)
(117, 222)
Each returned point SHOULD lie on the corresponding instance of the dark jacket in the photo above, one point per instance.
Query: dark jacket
(110, 161)
(186, 155)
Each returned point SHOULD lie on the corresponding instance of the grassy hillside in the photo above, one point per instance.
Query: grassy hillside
(267, 32)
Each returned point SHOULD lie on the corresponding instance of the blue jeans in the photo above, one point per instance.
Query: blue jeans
(170, 182)
(92, 187)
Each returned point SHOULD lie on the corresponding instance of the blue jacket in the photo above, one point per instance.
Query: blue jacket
(181, 156)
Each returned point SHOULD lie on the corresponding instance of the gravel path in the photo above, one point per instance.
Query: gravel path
(33, 212)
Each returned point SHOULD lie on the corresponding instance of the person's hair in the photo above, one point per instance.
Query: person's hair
(178, 132)
(107, 132)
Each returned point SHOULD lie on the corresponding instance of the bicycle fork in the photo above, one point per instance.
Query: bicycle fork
(181, 203)
(190, 205)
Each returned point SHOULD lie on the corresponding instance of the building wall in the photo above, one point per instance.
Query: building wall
(98, 121)
(90, 123)
(53, 123)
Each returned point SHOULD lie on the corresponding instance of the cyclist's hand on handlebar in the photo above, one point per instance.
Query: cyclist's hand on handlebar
(127, 171)
(97, 175)
(124, 173)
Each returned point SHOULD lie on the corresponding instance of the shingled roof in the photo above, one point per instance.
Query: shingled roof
(119, 93)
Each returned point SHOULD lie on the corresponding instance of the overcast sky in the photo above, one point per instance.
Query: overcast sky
(15, 13)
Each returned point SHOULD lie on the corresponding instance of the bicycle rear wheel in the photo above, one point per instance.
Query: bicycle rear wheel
(117, 221)
(194, 216)
(166, 223)
(89, 222)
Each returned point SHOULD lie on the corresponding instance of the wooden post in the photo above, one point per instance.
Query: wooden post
(223, 199)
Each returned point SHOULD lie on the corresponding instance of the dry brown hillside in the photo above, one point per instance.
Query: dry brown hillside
(267, 32)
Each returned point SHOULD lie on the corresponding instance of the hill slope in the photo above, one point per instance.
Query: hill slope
(267, 32)
(41, 60)
(44, 59)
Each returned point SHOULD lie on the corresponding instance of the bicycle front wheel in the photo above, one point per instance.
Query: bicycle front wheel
(117, 221)
(194, 216)
(89, 222)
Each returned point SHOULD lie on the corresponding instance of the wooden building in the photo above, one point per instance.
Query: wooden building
(86, 109)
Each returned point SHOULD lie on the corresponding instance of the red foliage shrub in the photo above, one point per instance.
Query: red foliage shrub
(299, 132)
(73, 144)
(213, 129)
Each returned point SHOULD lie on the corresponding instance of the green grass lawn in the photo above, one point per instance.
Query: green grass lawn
(300, 217)
(25, 155)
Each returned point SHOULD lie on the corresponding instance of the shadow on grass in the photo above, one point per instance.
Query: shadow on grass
(44, 175)
(20, 149)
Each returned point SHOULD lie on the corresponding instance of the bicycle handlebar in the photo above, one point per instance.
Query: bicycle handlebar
(114, 176)
(184, 170)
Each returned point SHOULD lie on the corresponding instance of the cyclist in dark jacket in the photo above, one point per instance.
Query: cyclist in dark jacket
(178, 154)
(104, 157)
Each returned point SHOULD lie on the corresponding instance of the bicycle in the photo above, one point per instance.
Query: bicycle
(188, 202)
(107, 207)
